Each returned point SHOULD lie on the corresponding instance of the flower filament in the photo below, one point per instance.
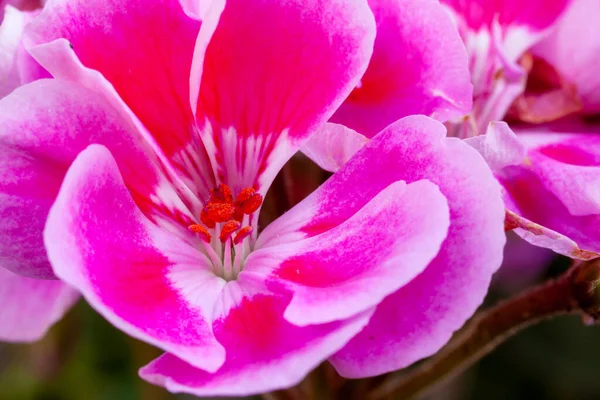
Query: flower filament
(224, 215)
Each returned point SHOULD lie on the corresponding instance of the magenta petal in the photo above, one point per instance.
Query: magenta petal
(353, 266)
(419, 66)
(264, 351)
(126, 267)
(44, 126)
(333, 145)
(274, 71)
(573, 48)
(31, 306)
(145, 51)
(417, 320)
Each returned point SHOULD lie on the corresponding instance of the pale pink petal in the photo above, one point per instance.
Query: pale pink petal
(333, 145)
(12, 68)
(419, 66)
(44, 126)
(353, 266)
(274, 71)
(264, 351)
(31, 306)
(418, 319)
(573, 48)
(145, 50)
(127, 268)
(499, 146)
(541, 236)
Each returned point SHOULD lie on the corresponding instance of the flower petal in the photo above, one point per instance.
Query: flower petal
(550, 191)
(422, 315)
(31, 306)
(16, 67)
(419, 66)
(573, 48)
(266, 86)
(353, 266)
(127, 268)
(264, 351)
(145, 51)
(500, 147)
(44, 126)
(333, 145)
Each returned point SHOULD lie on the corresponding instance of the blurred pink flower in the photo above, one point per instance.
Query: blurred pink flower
(29, 306)
(151, 150)
(551, 184)
(497, 34)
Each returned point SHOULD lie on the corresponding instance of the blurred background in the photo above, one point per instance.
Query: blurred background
(84, 358)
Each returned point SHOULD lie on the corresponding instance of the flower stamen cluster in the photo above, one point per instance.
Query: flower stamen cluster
(224, 216)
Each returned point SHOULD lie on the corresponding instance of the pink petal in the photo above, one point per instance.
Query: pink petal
(31, 306)
(11, 32)
(44, 126)
(145, 51)
(535, 15)
(418, 319)
(499, 146)
(573, 48)
(333, 145)
(556, 189)
(352, 267)
(274, 71)
(419, 66)
(264, 351)
(550, 192)
(126, 267)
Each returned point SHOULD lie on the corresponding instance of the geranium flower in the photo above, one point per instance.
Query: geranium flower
(177, 128)
(497, 34)
(550, 172)
(29, 306)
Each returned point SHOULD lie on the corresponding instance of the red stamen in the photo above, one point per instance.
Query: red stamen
(242, 234)
(238, 215)
(228, 228)
(249, 201)
(245, 194)
(201, 231)
(221, 194)
(219, 212)
(205, 219)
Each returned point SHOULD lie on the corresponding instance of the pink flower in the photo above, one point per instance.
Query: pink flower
(497, 34)
(150, 153)
(29, 306)
(550, 173)
(573, 49)
(550, 182)
(419, 66)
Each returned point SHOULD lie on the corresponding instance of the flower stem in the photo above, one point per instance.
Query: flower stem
(574, 292)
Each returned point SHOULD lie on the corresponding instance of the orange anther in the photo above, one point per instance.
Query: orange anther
(219, 212)
(242, 234)
(221, 194)
(201, 231)
(228, 228)
(248, 200)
